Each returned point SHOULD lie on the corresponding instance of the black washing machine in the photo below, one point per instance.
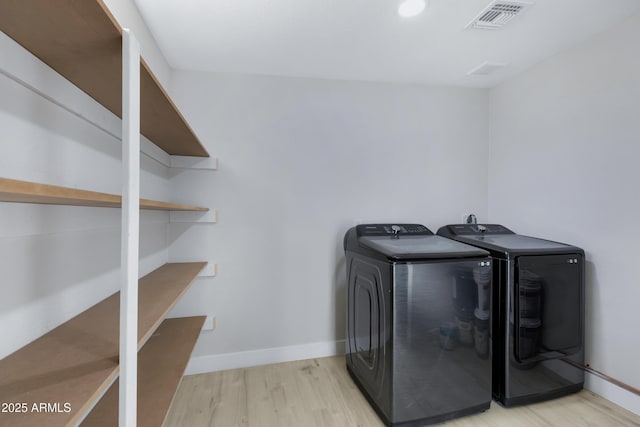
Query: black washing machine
(418, 315)
(538, 313)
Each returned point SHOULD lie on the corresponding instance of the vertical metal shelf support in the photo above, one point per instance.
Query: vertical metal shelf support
(130, 230)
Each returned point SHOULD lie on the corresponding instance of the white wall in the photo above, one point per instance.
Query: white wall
(564, 150)
(127, 15)
(301, 161)
(56, 261)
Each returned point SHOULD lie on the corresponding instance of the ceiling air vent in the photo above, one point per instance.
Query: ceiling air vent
(498, 14)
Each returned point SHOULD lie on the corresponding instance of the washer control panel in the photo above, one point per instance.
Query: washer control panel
(393, 230)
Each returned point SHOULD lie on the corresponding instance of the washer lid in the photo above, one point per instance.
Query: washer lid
(420, 247)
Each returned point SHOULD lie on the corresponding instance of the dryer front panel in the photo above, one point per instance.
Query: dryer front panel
(544, 329)
(548, 300)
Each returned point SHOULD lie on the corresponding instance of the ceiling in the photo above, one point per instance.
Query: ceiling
(366, 40)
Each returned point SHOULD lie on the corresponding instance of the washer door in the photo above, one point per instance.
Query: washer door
(441, 338)
(548, 306)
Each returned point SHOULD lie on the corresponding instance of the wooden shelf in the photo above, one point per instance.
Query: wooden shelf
(77, 361)
(30, 192)
(82, 41)
(161, 365)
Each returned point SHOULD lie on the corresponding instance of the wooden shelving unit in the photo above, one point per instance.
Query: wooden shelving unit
(76, 362)
(12, 190)
(72, 366)
(82, 41)
(161, 364)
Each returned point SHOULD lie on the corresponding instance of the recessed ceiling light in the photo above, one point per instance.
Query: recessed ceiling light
(410, 8)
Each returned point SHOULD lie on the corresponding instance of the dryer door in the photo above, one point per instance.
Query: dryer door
(548, 306)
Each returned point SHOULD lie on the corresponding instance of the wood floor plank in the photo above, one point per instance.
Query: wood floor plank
(320, 393)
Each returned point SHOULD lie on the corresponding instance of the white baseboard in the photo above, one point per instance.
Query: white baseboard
(612, 392)
(245, 359)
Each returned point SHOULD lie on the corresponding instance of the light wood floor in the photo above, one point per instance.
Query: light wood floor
(319, 392)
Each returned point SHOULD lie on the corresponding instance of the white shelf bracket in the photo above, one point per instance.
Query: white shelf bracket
(188, 162)
(210, 216)
(211, 270)
(130, 230)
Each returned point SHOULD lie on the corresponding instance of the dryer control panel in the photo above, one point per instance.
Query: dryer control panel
(393, 229)
(473, 230)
